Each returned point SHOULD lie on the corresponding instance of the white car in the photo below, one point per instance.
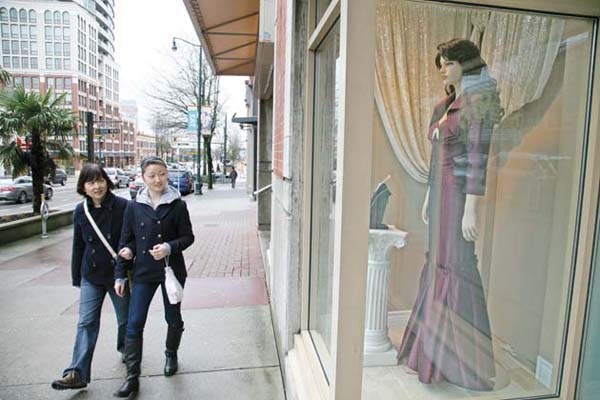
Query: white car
(117, 176)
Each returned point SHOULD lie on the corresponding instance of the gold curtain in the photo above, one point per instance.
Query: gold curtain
(520, 50)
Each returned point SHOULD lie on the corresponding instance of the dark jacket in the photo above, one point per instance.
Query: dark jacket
(90, 258)
(145, 227)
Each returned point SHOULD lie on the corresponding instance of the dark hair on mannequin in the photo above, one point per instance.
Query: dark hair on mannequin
(463, 51)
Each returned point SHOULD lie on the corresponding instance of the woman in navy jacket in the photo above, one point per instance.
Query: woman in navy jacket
(156, 230)
(92, 270)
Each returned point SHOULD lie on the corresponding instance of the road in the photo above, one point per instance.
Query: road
(64, 198)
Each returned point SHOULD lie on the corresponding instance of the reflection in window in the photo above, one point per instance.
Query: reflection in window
(488, 136)
(324, 177)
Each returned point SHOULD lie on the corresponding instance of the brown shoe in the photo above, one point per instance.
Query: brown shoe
(69, 381)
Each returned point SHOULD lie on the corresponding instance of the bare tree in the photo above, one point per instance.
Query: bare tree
(174, 91)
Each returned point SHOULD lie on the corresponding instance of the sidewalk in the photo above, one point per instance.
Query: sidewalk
(228, 348)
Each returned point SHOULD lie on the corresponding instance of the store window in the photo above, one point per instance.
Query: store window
(589, 377)
(482, 128)
(324, 176)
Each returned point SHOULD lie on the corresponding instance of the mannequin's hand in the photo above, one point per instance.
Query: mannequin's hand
(425, 209)
(469, 221)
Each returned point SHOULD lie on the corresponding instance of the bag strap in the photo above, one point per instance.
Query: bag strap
(97, 230)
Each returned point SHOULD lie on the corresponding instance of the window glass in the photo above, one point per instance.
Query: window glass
(22, 15)
(24, 32)
(48, 32)
(47, 17)
(32, 16)
(59, 84)
(484, 145)
(33, 48)
(321, 7)
(49, 63)
(32, 32)
(5, 30)
(24, 62)
(57, 63)
(14, 31)
(57, 33)
(67, 63)
(67, 34)
(13, 15)
(57, 18)
(324, 178)
(589, 378)
(6, 61)
(34, 62)
(6, 46)
(15, 46)
(35, 82)
(49, 49)
(57, 49)
(24, 48)
(66, 49)
(3, 14)
(66, 18)
(16, 63)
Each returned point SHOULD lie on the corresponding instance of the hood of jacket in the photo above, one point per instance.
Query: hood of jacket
(169, 195)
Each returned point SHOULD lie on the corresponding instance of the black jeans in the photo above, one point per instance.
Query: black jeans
(139, 304)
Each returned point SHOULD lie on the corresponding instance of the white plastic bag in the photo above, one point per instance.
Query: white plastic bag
(173, 287)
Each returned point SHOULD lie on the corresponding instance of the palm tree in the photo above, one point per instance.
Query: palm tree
(39, 118)
(4, 77)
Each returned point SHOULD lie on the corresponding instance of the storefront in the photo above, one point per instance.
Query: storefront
(488, 295)
(485, 285)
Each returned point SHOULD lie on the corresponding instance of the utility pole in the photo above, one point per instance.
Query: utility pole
(225, 144)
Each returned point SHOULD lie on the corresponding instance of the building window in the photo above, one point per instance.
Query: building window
(482, 293)
(23, 16)
(32, 32)
(32, 16)
(47, 17)
(6, 46)
(323, 198)
(57, 18)
(3, 14)
(13, 15)
(66, 18)
(34, 63)
(49, 63)
(5, 30)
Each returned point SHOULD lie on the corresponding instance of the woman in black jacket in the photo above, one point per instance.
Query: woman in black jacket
(156, 230)
(92, 270)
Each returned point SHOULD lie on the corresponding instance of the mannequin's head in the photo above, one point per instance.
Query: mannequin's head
(465, 52)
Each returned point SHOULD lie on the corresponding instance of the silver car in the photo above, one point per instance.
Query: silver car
(20, 190)
(117, 176)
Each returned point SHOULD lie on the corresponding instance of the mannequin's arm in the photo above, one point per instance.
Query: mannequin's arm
(425, 209)
(469, 221)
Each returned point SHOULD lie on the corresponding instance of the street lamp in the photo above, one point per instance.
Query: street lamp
(198, 183)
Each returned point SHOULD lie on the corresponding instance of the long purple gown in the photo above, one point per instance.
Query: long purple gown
(448, 337)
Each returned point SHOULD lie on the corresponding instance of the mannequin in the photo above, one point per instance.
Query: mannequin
(448, 337)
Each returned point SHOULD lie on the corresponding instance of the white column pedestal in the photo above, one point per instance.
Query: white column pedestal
(378, 346)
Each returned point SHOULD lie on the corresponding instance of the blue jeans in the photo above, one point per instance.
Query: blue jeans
(141, 296)
(91, 297)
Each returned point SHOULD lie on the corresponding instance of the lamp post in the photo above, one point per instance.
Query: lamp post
(198, 183)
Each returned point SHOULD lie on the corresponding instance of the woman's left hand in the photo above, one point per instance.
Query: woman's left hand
(159, 251)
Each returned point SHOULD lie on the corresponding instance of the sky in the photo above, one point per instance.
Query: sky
(144, 30)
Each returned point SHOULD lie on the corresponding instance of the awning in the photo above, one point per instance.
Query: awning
(228, 31)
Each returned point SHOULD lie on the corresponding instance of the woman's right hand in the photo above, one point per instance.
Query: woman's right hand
(120, 288)
(126, 253)
(425, 209)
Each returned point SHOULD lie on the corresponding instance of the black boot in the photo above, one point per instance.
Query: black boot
(133, 361)
(172, 344)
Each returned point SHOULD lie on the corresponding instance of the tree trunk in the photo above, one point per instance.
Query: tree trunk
(38, 169)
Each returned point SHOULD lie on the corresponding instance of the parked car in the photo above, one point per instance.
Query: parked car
(182, 179)
(117, 176)
(60, 176)
(20, 190)
(185, 187)
(135, 187)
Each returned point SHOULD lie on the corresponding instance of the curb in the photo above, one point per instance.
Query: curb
(27, 227)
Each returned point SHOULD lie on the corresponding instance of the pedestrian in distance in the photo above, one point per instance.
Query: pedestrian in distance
(233, 176)
(156, 230)
(93, 270)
